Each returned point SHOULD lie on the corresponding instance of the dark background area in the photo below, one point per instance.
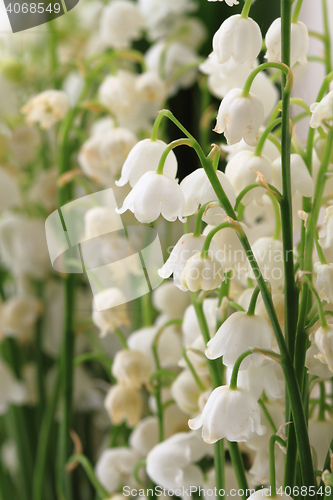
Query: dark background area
(186, 105)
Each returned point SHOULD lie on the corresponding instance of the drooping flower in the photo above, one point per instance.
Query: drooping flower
(239, 117)
(237, 334)
(269, 255)
(325, 281)
(324, 341)
(299, 42)
(124, 404)
(153, 195)
(109, 310)
(238, 38)
(114, 468)
(229, 413)
(301, 180)
(144, 157)
(121, 22)
(132, 368)
(47, 108)
(322, 112)
(202, 273)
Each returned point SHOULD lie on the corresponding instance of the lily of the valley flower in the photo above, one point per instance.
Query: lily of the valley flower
(322, 111)
(237, 334)
(47, 108)
(114, 468)
(299, 42)
(324, 341)
(202, 273)
(239, 117)
(121, 22)
(229, 413)
(124, 404)
(131, 368)
(301, 180)
(238, 38)
(144, 157)
(325, 281)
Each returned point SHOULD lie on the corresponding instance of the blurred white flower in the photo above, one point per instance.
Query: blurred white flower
(202, 273)
(320, 436)
(114, 468)
(239, 117)
(229, 413)
(132, 368)
(10, 195)
(18, 316)
(124, 404)
(153, 195)
(185, 392)
(121, 22)
(145, 435)
(315, 363)
(324, 341)
(44, 189)
(191, 328)
(301, 180)
(236, 335)
(238, 38)
(299, 42)
(324, 281)
(46, 108)
(240, 172)
(12, 391)
(112, 311)
(327, 239)
(170, 300)
(144, 157)
(150, 87)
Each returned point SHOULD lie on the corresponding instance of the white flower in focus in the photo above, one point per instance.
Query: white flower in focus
(171, 463)
(256, 379)
(322, 111)
(121, 22)
(132, 368)
(12, 391)
(237, 334)
(113, 310)
(238, 38)
(202, 273)
(46, 108)
(231, 252)
(114, 468)
(240, 117)
(144, 157)
(325, 281)
(239, 171)
(301, 180)
(198, 190)
(154, 195)
(324, 341)
(299, 42)
(229, 413)
(124, 404)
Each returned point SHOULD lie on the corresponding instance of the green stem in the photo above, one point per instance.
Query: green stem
(156, 126)
(235, 370)
(322, 402)
(277, 230)
(201, 212)
(268, 416)
(253, 302)
(121, 337)
(272, 482)
(192, 369)
(319, 304)
(100, 490)
(297, 11)
(327, 38)
(238, 464)
(246, 8)
(320, 251)
(170, 147)
(284, 67)
(264, 135)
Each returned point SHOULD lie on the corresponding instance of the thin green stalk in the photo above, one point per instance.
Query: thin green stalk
(264, 135)
(297, 11)
(192, 370)
(238, 465)
(253, 301)
(268, 416)
(235, 370)
(170, 147)
(322, 402)
(272, 481)
(318, 301)
(156, 126)
(246, 8)
(327, 38)
(43, 444)
(210, 236)
(201, 212)
(284, 67)
(100, 490)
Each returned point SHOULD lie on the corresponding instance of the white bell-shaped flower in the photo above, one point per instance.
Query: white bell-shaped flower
(322, 111)
(325, 281)
(121, 22)
(18, 317)
(324, 341)
(151, 87)
(145, 435)
(124, 404)
(144, 157)
(299, 42)
(301, 180)
(169, 348)
(316, 364)
(170, 300)
(239, 117)
(185, 248)
(239, 171)
(231, 252)
(12, 391)
(113, 310)
(171, 463)
(202, 273)
(185, 392)
(320, 436)
(229, 413)
(114, 468)
(117, 93)
(153, 195)
(132, 368)
(46, 108)
(237, 334)
(327, 240)
(238, 38)
(264, 493)
(198, 190)
(269, 255)
(269, 149)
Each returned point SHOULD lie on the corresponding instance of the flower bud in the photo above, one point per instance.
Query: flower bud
(239, 117)
(131, 368)
(123, 404)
